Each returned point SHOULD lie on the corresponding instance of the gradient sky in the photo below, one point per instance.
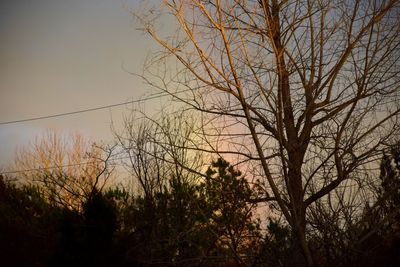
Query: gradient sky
(64, 55)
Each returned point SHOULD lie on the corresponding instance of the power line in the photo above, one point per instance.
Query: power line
(154, 96)
(159, 95)
(83, 110)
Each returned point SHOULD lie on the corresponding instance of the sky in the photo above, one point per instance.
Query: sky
(59, 56)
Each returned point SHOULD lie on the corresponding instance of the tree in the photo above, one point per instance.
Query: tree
(66, 168)
(154, 151)
(28, 225)
(172, 229)
(304, 91)
(232, 219)
(390, 184)
(276, 248)
(379, 229)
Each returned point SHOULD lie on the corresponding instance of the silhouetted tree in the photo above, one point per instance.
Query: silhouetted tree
(100, 222)
(208, 223)
(277, 247)
(390, 183)
(28, 225)
(306, 92)
(66, 167)
(170, 229)
(379, 228)
(228, 194)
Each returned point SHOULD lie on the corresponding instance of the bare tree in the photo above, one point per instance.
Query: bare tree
(67, 167)
(154, 151)
(306, 91)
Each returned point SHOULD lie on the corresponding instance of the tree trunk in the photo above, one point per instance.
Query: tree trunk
(298, 208)
(301, 239)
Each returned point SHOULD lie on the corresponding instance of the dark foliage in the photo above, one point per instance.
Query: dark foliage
(28, 234)
(204, 223)
(379, 233)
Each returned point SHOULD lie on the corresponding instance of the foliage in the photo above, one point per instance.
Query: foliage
(204, 223)
(228, 193)
(27, 225)
(210, 222)
(86, 238)
(277, 248)
(390, 182)
(169, 227)
(379, 231)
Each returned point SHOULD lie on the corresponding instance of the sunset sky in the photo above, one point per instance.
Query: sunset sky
(59, 56)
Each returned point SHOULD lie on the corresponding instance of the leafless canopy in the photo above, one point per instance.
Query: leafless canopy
(67, 167)
(305, 90)
(154, 151)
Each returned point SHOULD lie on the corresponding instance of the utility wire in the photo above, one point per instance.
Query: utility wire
(83, 110)
(154, 96)
(92, 109)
